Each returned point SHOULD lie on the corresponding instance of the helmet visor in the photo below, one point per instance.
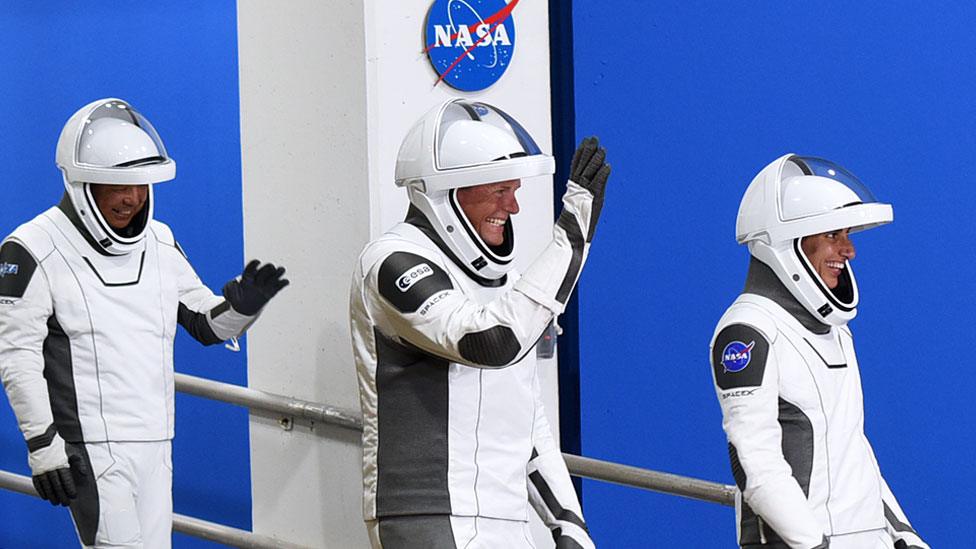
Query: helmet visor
(471, 133)
(116, 136)
(810, 165)
(813, 187)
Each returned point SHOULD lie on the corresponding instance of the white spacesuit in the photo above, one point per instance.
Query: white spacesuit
(787, 377)
(456, 441)
(88, 313)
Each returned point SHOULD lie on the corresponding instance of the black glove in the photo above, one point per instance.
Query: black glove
(590, 170)
(255, 288)
(58, 486)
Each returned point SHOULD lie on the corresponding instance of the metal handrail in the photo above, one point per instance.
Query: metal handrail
(181, 523)
(626, 475)
(269, 402)
(666, 483)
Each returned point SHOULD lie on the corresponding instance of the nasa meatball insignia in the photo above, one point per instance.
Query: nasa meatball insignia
(470, 43)
(737, 355)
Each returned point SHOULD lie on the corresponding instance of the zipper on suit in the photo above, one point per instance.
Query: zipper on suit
(762, 530)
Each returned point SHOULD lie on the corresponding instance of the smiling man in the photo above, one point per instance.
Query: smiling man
(488, 207)
(785, 371)
(92, 291)
(456, 444)
(119, 204)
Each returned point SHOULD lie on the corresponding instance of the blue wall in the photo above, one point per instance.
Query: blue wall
(692, 99)
(177, 63)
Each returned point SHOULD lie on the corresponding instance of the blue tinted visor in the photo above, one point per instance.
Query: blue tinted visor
(825, 168)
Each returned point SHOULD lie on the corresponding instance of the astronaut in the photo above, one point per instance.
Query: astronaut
(786, 374)
(456, 443)
(91, 291)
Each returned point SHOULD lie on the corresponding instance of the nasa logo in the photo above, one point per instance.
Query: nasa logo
(413, 275)
(470, 42)
(8, 269)
(737, 355)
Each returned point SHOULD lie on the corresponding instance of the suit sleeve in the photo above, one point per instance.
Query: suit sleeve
(746, 376)
(209, 318)
(424, 307)
(25, 307)
(551, 491)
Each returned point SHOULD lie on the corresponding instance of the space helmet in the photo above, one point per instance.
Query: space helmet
(798, 196)
(109, 142)
(458, 144)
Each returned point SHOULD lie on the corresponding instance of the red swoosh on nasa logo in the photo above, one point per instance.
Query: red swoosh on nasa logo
(497, 19)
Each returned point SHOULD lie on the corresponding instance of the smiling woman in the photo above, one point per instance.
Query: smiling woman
(795, 217)
(829, 253)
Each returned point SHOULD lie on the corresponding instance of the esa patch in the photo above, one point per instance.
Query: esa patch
(408, 280)
(16, 269)
(413, 275)
(739, 357)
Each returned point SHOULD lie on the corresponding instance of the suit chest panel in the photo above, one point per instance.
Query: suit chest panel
(819, 372)
(504, 395)
(95, 293)
(473, 290)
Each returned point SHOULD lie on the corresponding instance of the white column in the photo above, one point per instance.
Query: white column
(306, 205)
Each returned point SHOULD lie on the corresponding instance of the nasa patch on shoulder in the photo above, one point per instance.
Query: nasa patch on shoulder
(408, 280)
(739, 357)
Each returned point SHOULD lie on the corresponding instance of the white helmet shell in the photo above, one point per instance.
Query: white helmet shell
(461, 144)
(108, 142)
(797, 196)
(114, 142)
